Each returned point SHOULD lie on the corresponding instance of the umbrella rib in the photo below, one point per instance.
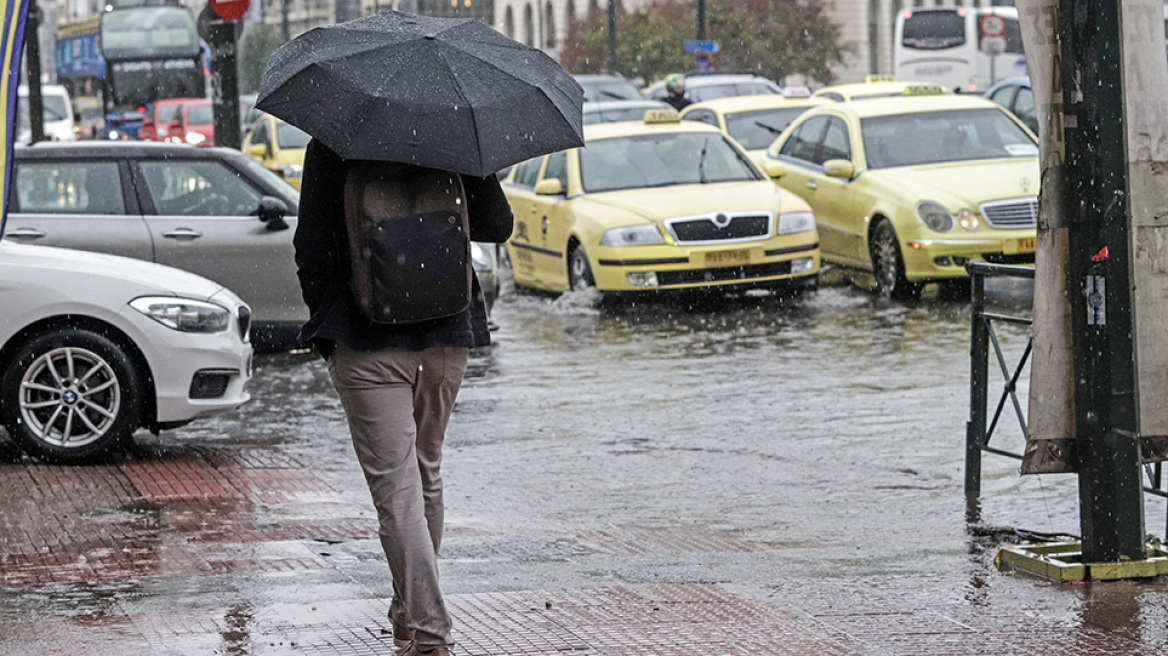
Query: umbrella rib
(469, 106)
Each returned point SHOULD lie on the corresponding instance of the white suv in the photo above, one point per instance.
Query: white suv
(93, 347)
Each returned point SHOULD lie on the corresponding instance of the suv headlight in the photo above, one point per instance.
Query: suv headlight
(195, 138)
(184, 314)
(638, 235)
(935, 216)
(793, 222)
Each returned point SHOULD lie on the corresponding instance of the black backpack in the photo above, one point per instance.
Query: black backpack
(409, 242)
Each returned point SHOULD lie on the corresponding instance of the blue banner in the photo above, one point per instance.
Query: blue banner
(11, 46)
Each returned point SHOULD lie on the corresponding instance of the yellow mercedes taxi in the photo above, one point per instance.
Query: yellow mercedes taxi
(660, 204)
(753, 121)
(877, 86)
(277, 146)
(912, 189)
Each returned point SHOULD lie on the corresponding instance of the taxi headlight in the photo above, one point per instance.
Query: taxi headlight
(968, 220)
(638, 235)
(184, 314)
(935, 216)
(793, 222)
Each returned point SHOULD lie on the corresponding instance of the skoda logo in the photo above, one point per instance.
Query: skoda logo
(721, 220)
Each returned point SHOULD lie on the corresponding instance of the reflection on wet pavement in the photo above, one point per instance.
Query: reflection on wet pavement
(744, 475)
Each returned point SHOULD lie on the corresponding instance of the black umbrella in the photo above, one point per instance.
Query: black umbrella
(451, 94)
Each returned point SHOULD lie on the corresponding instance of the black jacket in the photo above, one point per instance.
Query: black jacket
(322, 252)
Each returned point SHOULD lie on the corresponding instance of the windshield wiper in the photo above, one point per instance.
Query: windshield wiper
(612, 94)
(702, 162)
(770, 127)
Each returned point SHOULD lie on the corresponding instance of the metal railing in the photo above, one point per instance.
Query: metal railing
(984, 343)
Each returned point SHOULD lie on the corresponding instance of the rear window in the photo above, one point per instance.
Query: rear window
(934, 30)
(201, 114)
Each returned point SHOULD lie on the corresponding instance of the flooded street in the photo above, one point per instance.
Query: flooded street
(805, 456)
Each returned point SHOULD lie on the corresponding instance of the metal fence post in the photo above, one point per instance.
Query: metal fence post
(978, 389)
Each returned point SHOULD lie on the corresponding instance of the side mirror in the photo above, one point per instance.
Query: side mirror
(549, 187)
(257, 150)
(272, 211)
(774, 169)
(839, 168)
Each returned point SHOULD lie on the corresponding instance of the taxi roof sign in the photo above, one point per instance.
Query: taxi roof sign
(796, 92)
(880, 78)
(924, 90)
(668, 115)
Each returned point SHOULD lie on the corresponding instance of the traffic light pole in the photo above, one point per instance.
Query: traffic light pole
(224, 82)
(1099, 269)
(32, 49)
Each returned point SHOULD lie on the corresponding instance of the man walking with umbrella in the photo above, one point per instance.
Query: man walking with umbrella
(431, 96)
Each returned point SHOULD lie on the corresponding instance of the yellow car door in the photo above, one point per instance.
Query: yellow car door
(804, 176)
(841, 227)
(552, 218)
(526, 246)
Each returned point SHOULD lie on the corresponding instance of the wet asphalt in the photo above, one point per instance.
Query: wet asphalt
(804, 453)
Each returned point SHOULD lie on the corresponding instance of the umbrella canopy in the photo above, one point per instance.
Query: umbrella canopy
(450, 94)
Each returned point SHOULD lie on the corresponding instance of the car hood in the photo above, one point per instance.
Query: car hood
(965, 184)
(82, 268)
(657, 203)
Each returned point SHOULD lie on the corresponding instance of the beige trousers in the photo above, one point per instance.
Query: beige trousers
(398, 403)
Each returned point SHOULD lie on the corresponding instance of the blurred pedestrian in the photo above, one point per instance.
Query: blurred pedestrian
(675, 88)
(397, 382)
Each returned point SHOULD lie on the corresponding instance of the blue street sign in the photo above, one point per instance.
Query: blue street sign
(694, 47)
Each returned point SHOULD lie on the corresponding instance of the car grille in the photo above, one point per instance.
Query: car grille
(720, 227)
(1011, 214)
(243, 318)
(721, 274)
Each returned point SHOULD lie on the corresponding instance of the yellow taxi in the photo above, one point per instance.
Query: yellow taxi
(277, 146)
(913, 189)
(878, 86)
(753, 121)
(660, 204)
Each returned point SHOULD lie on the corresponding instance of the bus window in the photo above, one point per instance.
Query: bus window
(933, 30)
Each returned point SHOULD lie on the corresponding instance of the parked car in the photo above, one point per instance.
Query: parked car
(878, 86)
(707, 86)
(612, 111)
(211, 211)
(657, 205)
(57, 114)
(753, 121)
(608, 87)
(1016, 95)
(278, 146)
(122, 124)
(912, 189)
(159, 115)
(93, 347)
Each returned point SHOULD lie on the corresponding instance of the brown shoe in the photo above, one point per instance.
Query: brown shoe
(415, 650)
(402, 635)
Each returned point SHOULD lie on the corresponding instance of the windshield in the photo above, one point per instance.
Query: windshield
(756, 130)
(201, 115)
(290, 136)
(661, 160)
(943, 136)
(610, 90)
(616, 115)
(143, 32)
(55, 108)
(934, 30)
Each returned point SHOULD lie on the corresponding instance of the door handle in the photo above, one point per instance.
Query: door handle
(25, 233)
(811, 184)
(182, 234)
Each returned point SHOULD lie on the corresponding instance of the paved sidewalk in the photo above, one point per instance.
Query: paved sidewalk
(249, 551)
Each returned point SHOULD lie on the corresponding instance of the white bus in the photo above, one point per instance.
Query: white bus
(945, 45)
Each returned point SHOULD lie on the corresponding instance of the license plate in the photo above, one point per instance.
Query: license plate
(1027, 245)
(727, 258)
